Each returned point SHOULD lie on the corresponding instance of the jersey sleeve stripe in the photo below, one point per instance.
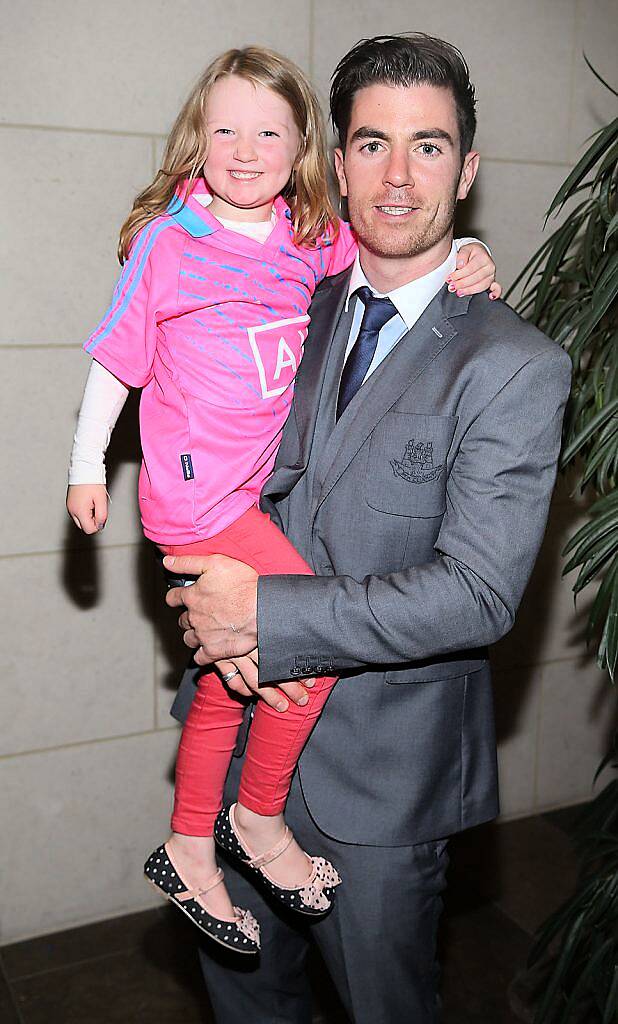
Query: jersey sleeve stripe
(128, 284)
(126, 275)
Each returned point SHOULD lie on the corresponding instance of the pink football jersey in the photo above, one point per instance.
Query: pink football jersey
(211, 325)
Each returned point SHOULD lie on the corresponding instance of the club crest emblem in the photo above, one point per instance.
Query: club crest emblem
(417, 466)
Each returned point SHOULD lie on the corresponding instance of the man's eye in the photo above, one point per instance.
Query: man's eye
(372, 147)
(430, 149)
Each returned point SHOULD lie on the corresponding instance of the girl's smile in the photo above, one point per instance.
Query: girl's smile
(253, 145)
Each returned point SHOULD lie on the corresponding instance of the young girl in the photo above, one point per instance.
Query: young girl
(222, 254)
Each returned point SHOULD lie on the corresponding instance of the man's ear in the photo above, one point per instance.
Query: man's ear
(468, 174)
(340, 172)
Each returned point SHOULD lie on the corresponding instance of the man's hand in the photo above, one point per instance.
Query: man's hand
(220, 607)
(245, 683)
(220, 618)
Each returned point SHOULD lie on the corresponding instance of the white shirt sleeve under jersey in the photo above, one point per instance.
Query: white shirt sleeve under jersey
(104, 397)
(460, 242)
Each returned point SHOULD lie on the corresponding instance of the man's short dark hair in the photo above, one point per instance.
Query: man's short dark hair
(411, 59)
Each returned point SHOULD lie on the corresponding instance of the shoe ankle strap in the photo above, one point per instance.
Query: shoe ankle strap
(212, 883)
(274, 852)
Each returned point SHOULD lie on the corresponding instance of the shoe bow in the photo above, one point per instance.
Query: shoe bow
(324, 876)
(246, 923)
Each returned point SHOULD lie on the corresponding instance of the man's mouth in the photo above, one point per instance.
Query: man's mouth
(245, 175)
(396, 211)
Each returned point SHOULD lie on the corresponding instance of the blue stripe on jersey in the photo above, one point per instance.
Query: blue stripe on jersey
(127, 268)
(188, 219)
(142, 253)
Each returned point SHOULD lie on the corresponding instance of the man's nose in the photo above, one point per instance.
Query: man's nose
(398, 171)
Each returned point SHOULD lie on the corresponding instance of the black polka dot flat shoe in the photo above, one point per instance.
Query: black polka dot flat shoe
(313, 898)
(242, 933)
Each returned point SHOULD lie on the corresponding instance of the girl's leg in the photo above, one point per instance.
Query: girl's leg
(276, 739)
(206, 746)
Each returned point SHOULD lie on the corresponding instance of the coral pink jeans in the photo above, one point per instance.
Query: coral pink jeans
(209, 736)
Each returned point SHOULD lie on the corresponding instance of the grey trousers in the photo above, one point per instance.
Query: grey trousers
(378, 942)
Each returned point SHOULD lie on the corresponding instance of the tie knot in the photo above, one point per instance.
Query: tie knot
(378, 311)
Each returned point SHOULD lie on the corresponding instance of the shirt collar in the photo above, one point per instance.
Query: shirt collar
(194, 216)
(411, 299)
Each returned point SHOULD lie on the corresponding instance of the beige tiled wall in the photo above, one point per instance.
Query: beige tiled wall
(88, 651)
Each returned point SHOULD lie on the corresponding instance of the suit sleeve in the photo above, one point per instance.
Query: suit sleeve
(486, 549)
(124, 342)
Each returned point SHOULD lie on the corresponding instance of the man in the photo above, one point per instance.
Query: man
(415, 475)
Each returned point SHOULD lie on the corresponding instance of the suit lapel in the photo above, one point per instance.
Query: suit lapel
(325, 312)
(312, 372)
(402, 367)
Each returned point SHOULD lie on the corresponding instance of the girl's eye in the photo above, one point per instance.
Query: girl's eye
(223, 131)
(269, 134)
(372, 147)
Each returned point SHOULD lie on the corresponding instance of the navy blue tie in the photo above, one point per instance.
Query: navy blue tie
(377, 313)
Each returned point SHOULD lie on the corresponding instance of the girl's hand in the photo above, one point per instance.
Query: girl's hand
(476, 272)
(87, 506)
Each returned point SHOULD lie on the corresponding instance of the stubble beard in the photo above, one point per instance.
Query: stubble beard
(397, 241)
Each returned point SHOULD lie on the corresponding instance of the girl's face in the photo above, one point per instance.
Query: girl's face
(253, 143)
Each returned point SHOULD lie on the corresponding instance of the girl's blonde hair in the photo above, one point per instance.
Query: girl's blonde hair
(187, 147)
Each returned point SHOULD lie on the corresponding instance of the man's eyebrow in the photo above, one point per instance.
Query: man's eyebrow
(432, 133)
(367, 132)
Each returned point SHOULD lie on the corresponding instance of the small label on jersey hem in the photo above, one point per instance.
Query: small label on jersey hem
(187, 466)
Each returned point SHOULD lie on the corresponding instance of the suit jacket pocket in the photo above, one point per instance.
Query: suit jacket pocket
(406, 472)
(450, 667)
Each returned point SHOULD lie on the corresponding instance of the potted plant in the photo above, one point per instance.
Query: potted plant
(570, 290)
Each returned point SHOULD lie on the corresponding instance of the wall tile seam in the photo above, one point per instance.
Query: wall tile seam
(577, 23)
(73, 549)
(95, 741)
(311, 46)
(80, 130)
(121, 951)
(156, 137)
(499, 669)
(578, 801)
(153, 156)
(35, 346)
(79, 922)
(12, 996)
(537, 744)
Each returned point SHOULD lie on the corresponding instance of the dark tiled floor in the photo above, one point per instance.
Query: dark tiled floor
(142, 969)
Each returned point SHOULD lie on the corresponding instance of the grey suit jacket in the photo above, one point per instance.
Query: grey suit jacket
(425, 512)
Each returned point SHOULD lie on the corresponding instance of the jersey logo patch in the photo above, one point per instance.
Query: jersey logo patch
(277, 348)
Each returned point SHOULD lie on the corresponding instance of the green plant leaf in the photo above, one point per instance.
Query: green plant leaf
(556, 981)
(589, 970)
(611, 1005)
(595, 563)
(597, 75)
(582, 168)
(594, 424)
(612, 227)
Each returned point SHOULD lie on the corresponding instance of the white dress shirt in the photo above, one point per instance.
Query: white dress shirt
(410, 301)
